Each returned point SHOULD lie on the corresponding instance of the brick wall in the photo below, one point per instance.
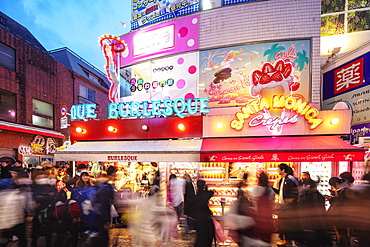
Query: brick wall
(265, 21)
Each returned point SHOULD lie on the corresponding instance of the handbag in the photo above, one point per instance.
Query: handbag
(219, 232)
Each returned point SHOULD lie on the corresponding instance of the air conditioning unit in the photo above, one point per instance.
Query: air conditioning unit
(364, 140)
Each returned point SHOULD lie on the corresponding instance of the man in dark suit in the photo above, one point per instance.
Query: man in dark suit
(288, 195)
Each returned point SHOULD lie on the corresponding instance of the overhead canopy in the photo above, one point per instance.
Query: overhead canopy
(29, 129)
(132, 151)
(278, 149)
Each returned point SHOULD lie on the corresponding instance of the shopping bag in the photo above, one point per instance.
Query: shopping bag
(219, 232)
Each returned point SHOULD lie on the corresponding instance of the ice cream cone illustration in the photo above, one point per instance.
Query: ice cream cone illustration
(270, 80)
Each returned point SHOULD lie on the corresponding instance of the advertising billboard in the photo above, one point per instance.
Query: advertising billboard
(234, 76)
(350, 83)
(166, 78)
(146, 12)
(164, 39)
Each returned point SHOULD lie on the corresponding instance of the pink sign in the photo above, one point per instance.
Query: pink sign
(168, 38)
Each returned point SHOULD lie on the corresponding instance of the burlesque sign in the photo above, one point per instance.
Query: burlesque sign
(179, 107)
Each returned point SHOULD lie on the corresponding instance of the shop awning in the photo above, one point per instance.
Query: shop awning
(278, 149)
(29, 129)
(132, 151)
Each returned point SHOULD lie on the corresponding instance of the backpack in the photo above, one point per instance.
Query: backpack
(67, 211)
(89, 207)
(6, 183)
(45, 216)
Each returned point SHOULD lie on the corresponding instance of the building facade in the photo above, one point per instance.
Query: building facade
(34, 87)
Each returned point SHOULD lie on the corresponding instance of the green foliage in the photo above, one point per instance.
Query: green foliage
(331, 6)
(332, 25)
(357, 4)
(358, 21)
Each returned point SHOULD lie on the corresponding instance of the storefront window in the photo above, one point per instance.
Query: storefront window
(358, 21)
(332, 25)
(7, 106)
(87, 95)
(43, 114)
(7, 57)
(339, 17)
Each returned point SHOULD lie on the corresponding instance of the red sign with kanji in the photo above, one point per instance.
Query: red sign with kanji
(349, 76)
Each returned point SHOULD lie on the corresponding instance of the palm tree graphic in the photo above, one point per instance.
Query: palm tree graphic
(301, 60)
(270, 53)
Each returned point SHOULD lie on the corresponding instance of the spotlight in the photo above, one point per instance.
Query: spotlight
(220, 125)
(144, 127)
(181, 127)
(112, 129)
(80, 130)
(334, 121)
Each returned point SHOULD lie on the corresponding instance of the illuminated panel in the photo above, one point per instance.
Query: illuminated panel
(174, 37)
(148, 12)
(154, 41)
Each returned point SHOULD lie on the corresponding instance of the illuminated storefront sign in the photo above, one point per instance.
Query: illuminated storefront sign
(173, 37)
(228, 74)
(39, 145)
(165, 78)
(349, 76)
(281, 157)
(145, 12)
(154, 41)
(280, 103)
(179, 107)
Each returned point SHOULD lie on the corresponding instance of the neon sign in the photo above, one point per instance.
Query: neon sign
(157, 108)
(279, 102)
(167, 107)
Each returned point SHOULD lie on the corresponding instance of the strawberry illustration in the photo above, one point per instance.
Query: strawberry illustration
(295, 86)
(265, 79)
(256, 75)
(279, 66)
(277, 76)
(287, 70)
(267, 68)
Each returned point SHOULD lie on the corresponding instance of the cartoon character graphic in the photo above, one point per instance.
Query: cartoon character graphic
(112, 48)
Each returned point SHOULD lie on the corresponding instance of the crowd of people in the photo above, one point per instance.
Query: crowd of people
(80, 207)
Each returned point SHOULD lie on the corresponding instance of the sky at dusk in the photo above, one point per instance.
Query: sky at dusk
(76, 24)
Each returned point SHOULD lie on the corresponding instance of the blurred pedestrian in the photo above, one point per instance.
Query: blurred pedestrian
(336, 213)
(288, 195)
(84, 180)
(262, 196)
(71, 183)
(203, 225)
(177, 191)
(44, 194)
(189, 203)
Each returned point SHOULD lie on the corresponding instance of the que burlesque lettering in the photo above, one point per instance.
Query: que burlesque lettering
(288, 102)
(167, 107)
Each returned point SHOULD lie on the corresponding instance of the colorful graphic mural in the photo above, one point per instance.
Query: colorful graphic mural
(235, 75)
(167, 78)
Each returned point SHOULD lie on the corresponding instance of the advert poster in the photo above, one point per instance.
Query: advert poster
(236, 75)
(145, 12)
(347, 77)
(158, 79)
(359, 99)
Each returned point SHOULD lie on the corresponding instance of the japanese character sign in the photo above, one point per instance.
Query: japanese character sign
(349, 76)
